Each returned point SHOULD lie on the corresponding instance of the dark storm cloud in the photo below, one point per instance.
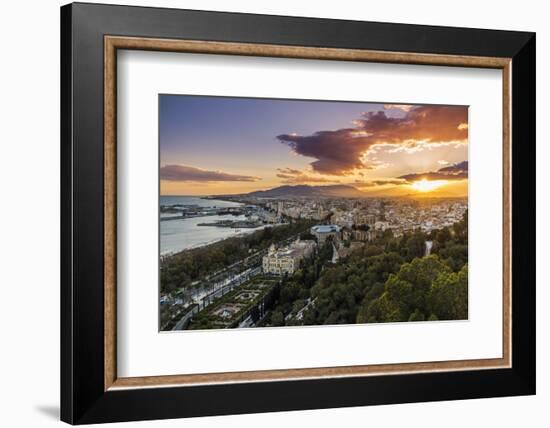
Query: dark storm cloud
(339, 152)
(458, 171)
(336, 151)
(189, 173)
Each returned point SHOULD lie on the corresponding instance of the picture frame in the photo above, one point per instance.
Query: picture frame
(91, 390)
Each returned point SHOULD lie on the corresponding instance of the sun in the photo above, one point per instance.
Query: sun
(427, 186)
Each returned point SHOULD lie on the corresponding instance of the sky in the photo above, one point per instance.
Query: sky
(226, 145)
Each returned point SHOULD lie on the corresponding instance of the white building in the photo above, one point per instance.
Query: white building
(287, 259)
(381, 225)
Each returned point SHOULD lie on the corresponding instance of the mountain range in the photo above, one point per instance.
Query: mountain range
(331, 191)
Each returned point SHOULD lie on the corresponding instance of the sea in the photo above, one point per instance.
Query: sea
(183, 234)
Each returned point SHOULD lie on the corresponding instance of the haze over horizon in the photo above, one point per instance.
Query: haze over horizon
(222, 145)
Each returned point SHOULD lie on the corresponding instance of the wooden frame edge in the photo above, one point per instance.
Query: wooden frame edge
(301, 52)
(112, 43)
(109, 198)
(299, 374)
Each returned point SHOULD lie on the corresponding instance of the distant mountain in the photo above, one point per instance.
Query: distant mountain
(303, 191)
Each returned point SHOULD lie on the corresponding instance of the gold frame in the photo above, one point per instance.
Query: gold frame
(113, 43)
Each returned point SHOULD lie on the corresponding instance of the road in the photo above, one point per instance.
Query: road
(182, 322)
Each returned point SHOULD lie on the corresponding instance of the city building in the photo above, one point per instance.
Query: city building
(280, 208)
(323, 231)
(381, 225)
(286, 260)
(362, 232)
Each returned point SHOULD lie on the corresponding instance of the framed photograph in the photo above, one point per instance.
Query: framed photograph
(266, 213)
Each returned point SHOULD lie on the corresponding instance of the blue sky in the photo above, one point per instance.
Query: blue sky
(194, 129)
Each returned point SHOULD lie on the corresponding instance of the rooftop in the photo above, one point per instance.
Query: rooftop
(326, 228)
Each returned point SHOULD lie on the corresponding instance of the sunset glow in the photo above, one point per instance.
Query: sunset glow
(428, 186)
(225, 145)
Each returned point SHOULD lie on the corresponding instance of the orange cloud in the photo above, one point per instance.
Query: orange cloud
(458, 171)
(341, 151)
(294, 176)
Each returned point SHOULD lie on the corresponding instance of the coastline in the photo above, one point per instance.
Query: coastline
(213, 241)
(186, 234)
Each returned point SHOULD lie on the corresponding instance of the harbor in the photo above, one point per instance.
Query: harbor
(189, 222)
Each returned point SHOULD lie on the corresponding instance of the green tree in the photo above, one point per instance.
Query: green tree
(416, 316)
(342, 290)
(442, 236)
(406, 292)
(448, 298)
(461, 229)
(413, 245)
(277, 319)
(455, 255)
